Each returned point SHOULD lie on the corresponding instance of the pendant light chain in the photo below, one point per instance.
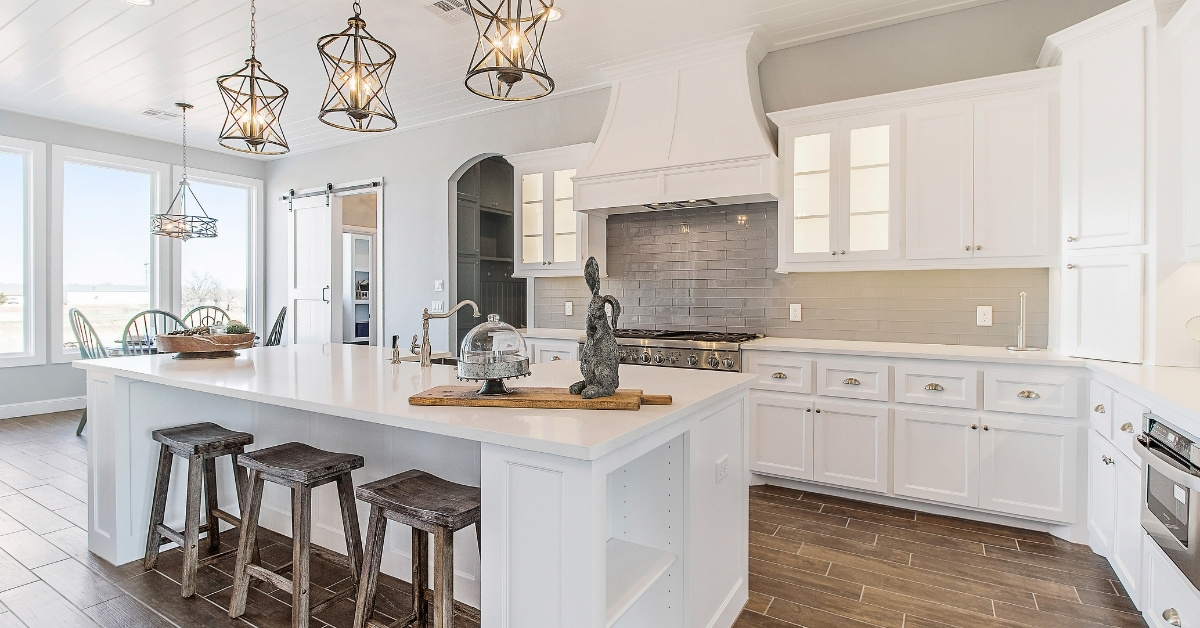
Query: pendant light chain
(253, 29)
(185, 144)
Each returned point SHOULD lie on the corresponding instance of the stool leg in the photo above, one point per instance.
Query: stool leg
(210, 503)
(354, 551)
(241, 484)
(364, 605)
(301, 545)
(443, 578)
(191, 525)
(420, 574)
(158, 508)
(247, 541)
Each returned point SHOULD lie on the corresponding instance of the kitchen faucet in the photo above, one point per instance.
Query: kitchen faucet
(424, 349)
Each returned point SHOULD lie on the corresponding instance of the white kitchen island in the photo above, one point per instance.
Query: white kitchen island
(590, 518)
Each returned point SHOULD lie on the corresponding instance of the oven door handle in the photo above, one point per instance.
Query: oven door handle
(1164, 465)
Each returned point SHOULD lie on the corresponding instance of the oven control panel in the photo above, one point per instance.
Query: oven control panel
(1164, 435)
(681, 358)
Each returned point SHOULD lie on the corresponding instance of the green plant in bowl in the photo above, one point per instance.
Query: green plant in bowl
(235, 327)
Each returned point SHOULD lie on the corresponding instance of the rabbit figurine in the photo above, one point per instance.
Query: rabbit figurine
(598, 359)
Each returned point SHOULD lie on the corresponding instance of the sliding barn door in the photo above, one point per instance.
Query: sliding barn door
(314, 269)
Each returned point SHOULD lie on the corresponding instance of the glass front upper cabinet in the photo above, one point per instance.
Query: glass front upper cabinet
(843, 192)
(554, 239)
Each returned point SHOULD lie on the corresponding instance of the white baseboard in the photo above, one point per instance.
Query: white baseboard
(46, 406)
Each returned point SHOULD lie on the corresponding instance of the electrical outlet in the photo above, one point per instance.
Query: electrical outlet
(439, 307)
(794, 313)
(439, 286)
(722, 467)
(983, 316)
(568, 308)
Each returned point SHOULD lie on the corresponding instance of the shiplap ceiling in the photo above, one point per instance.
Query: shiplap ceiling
(102, 62)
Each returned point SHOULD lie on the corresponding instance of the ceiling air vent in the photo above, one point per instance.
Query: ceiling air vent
(159, 114)
(451, 11)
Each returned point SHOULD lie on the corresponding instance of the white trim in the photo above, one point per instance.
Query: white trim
(34, 290)
(45, 406)
(160, 255)
(1133, 12)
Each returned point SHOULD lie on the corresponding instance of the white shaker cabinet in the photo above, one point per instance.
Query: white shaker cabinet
(1102, 495)
(1028, 467)
(550, 238)
(1102, 306)
(781, 435)
(851, 445)
(551, 349)
(940, 190)
(1126, 557)
(1170, 601)
(936, 456)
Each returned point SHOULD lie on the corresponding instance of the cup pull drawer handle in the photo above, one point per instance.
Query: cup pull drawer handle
(1100, 408)
(934, 386)
(850, 381)
(555, 358)
(974, 426)
(779, 375)
(1127, 428)
(1172, 617)
(1028, 394)
(1106, 460)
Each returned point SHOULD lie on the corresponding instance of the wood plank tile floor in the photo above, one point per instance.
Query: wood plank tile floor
(815, 561)
(825, 562)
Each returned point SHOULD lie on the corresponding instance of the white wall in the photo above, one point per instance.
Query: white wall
(22, 388)
(416, 167)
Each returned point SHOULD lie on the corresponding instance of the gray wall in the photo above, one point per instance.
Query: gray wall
(720, 275)
(983, 41)
(57, 381)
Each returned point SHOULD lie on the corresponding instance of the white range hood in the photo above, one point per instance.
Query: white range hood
(683, 129)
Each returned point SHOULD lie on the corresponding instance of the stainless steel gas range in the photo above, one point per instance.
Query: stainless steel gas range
(718, 351)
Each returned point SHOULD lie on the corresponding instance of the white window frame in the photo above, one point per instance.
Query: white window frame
(255, 290)
(160, 253)
(34, 154)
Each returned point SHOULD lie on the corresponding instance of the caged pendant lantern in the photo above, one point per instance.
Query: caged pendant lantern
(253, 106)
(179, 224)
(507, 63)
(359, 67)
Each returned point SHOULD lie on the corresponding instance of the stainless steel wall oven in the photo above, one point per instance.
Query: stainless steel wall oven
(1171, 493)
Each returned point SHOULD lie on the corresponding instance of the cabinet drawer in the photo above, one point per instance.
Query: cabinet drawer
(785, 372)
(1100, 408)
(1126, 424)
(1030, 391)
(1167, 592)
(933, 385)
(853, 380)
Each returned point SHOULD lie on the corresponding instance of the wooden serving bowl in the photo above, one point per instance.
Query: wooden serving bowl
(216, 346)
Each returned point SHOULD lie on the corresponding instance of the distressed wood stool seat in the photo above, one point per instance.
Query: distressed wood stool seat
(301, 468)
(201, 444)
(429, 505)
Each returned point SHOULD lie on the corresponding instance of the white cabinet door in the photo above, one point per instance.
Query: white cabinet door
(1126, 424)
(1126, 557)
(1102, 307)
(1012, 176)
(550, 238)
(1102, 496)
(1104, 139)
(548, 350)
(936, 456)
(1028, 468)
(1167, 592)
(851, 446)
(781, 435)
(939, 191)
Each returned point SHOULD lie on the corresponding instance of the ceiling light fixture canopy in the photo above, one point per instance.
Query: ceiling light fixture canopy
(253, 106)
(508, 64)
(359, 67)
(179, 224)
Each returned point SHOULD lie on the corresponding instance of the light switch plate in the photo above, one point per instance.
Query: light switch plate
(983, 316)
(794, 313)
(439, 307)
(439, 286)
(722, 467)
(568, 308)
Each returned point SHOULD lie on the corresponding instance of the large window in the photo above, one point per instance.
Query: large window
(217, 271)
(22, 222)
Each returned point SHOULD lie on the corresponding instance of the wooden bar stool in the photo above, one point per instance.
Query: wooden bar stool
(201, 444)
(300, 468)
(429, 505)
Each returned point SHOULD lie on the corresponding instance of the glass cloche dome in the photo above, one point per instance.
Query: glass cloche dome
(493, 351)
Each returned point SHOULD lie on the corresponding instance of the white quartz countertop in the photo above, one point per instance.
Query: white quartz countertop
(357, 382)
(1166, 389)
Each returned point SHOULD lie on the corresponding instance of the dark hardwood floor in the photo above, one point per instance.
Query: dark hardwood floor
(819, 561)
(815, 561)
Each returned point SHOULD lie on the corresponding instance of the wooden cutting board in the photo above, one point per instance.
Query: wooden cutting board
(545, 398)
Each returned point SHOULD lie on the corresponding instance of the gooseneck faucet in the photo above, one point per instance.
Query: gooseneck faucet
(425, 351)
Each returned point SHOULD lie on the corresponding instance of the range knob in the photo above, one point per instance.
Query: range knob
(693, 360)
(646, 358)
(713, 362)
(658, 358)
(727, 363)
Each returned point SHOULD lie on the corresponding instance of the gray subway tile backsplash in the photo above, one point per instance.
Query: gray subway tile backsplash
(705, 269)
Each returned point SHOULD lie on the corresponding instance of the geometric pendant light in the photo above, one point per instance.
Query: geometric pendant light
(358, 67)
(507, 63)
(176, 223)
(253, 106)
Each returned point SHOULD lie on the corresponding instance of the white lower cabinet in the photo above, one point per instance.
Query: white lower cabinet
(851, 445)
(781, 441)
(1102, 495)
(1170, 600)
(936, 456)
(1028, 467)
(549, 349)
(1126, 555)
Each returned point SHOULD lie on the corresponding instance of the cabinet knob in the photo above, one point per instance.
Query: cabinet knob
(986, 428)
(978, 247)
(1099, 408)
(1172, 617)
(1106, 460)
(841, 253)
(850, 381)
(1071, 267)
(1029, 394)
(1070, 238)
(1127, 428)
(974, 426)
(779, 375)
(833, 252)
(808, 409)
(934, 386)
(967, 247)
(818, 411)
